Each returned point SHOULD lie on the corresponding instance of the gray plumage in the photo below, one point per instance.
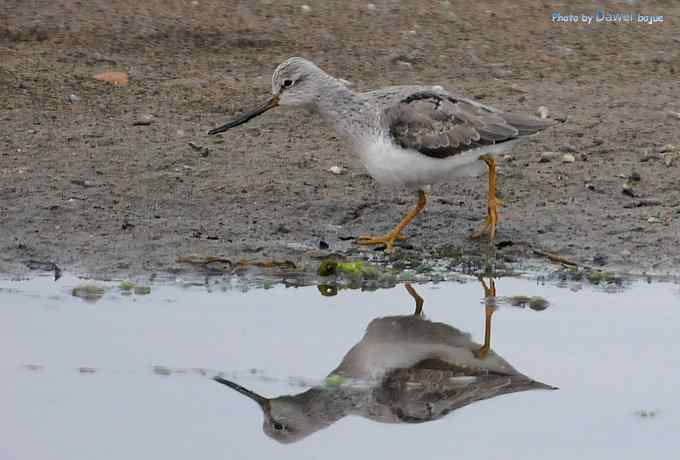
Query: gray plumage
(439, 125)
(413, 136)
(410, 137)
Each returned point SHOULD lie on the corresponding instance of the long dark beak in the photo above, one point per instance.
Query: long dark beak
(270, 104)
(261, 400)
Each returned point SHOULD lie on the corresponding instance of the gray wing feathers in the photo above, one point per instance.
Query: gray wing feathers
(440, 125)
(526, 124)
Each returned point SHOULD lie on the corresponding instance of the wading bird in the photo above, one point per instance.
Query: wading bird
(406, 136)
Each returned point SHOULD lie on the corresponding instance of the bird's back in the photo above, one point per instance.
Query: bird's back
(402, 342)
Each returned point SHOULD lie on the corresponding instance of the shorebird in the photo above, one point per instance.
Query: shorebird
(406, 369)
(405, 136)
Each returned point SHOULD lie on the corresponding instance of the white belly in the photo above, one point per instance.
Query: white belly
(391, 165)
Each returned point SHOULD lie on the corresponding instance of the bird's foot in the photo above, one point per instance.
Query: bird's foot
(386, 240)
(489, 225)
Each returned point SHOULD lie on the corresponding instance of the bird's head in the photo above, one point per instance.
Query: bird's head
(285, 419)
(295, 82)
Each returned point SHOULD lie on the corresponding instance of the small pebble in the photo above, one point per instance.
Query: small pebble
(600, 259)
(337, 170)
(547, 156)
(538, 303)
(567, 148)
(627, 189)
(281, 228)
(653, 220)
(371, 6)
(668, 160)
(518, 89)
(582, 156)
(72, 98)
(144, 120)
(590, 186)
(542, 112)
(647, 155)
(508, 158)
(634, 176)
(306, 8)
(568, 158)
(203, 151)
(665, 148)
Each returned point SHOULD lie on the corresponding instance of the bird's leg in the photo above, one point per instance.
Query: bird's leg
(389, 239)
(419, 300)
(489, 309)
(489, 225)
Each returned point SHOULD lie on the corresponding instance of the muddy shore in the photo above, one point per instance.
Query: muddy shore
(101, 179)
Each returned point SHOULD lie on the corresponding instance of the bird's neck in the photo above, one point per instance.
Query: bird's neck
(344, 110)
(326, 405)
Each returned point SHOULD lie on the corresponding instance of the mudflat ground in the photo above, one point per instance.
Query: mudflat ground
(101, 179)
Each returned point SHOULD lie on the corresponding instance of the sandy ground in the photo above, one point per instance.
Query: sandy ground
(86, 187)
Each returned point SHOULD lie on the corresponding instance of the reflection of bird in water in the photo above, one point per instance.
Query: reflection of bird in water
(406, 369)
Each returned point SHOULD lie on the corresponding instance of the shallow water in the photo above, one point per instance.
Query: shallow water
(129, 376)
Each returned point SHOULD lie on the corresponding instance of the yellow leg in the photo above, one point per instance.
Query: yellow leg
(489, 225)
(389, 239)
(419, 300)
(489, 309)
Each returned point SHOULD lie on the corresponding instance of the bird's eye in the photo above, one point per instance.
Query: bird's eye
(287, 83)
(278, 426)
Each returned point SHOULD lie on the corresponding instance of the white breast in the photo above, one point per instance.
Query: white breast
(392, 165)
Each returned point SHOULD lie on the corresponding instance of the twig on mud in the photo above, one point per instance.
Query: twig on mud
(554, 257)
(241, 263)
(548, 255)
(203, 260)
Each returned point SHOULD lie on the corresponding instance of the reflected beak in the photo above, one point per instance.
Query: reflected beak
(260, 400)
(270, 104)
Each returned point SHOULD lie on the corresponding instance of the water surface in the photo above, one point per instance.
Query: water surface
(130, 376)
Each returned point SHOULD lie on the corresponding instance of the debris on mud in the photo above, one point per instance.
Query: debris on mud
(89, 291)
(128, 287)
(113, 77)
(534, 302)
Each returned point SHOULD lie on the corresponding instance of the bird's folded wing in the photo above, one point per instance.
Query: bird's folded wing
(440, 125)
